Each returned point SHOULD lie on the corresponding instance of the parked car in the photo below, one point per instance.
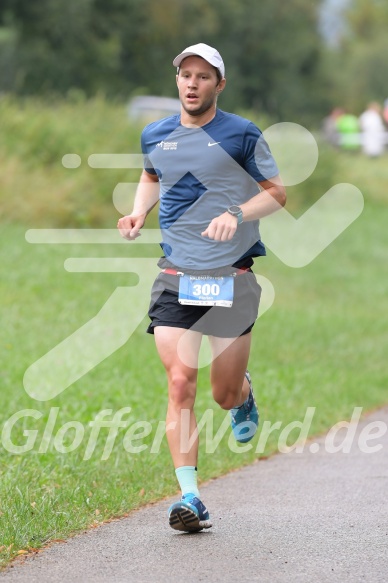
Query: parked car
(147, 108)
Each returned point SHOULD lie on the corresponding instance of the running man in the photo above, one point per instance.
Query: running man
(214, 177)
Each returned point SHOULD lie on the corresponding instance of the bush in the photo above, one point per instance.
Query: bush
(35, 188)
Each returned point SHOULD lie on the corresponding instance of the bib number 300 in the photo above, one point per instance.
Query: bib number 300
(206, 291)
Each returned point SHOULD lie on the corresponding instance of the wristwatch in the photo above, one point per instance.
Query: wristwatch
(236, 212)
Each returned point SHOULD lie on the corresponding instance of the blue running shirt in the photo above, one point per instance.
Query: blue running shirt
(202, 171)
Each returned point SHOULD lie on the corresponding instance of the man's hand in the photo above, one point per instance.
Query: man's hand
(130, 225)
(221, 228)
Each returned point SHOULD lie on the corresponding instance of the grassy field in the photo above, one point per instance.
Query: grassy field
(322, 344)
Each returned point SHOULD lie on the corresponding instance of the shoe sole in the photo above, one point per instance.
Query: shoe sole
(184, 519)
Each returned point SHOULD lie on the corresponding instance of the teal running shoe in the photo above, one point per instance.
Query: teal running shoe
(245, 419)
(189, 514)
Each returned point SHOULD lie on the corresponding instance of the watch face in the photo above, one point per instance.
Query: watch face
(234, 209)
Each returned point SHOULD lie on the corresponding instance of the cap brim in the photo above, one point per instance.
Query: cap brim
(177, 61)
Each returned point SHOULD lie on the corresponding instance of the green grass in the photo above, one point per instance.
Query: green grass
(322, 344)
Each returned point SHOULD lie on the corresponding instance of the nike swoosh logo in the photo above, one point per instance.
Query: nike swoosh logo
(213, 144)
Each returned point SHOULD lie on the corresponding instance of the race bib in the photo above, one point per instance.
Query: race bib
(206, 290)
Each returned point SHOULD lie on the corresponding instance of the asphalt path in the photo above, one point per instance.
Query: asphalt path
(316, 516)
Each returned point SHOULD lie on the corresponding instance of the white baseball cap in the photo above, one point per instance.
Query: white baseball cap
(210, 55)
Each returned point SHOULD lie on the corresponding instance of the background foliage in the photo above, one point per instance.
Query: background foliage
(357, 68)
(277, 60)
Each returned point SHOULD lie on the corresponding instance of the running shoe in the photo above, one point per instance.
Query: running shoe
(189, 514)
(245, 419)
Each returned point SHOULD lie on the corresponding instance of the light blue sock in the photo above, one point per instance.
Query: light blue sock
(187, 478)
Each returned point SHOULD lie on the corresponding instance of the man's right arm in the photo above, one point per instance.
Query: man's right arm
(147, 195)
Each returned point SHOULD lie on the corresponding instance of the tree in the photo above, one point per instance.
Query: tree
(267, 68)
(272, 49)
(61, 44)
(358, 68)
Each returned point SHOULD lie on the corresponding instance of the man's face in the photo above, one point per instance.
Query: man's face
(197, 85)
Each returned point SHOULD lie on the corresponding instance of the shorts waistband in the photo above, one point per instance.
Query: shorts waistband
(171, 271)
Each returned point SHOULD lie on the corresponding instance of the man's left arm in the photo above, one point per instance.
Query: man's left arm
(270, 199)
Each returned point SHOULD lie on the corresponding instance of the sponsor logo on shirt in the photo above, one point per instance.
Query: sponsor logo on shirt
(167, 145)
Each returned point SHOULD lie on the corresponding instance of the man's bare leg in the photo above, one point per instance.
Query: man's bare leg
(189, 514)
(182, 387)
(229, 384)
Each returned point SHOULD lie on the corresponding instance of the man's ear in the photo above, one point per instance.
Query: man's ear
(221, 85)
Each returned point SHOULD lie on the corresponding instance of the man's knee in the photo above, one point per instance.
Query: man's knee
(226, 402)
(227, 391)
(182, 390)
(225, 395)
